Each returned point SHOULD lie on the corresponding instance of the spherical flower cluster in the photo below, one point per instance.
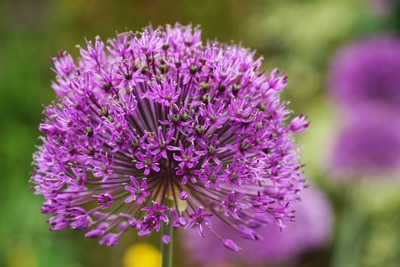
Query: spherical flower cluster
(364, 82)
(367, 73)
(155, 128)
(312, 230)
(383, 8)
(367, 147)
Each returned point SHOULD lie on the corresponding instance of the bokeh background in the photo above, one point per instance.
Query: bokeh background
(300, 37)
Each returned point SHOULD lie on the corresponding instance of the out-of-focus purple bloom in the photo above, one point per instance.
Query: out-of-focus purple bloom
(382, 8)
(367, 144)
(157, 116)
(312, 230)
(367, 72)
(365, 83)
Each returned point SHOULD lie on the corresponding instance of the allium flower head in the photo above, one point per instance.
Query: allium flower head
(368, 146)
(156, 128)
(367, 72)
(312, 230)
(382, 8)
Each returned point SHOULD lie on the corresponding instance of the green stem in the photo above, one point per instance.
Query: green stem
(350, 234)
(166, 249)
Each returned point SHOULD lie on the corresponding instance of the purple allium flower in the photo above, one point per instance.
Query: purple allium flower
(368, 146)
(312, 230)
(367, 72)
(382, 8)
(157, 117)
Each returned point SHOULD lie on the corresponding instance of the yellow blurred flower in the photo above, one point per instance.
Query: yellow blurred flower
(142, 255)
(21, 255)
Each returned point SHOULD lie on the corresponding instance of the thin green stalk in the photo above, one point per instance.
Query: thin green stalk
(350, 234)
(166, 249)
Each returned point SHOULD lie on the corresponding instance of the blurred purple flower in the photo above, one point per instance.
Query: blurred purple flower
(158, 116)
(312, 230)
(367, 144)
(382, 8)
(367, 72)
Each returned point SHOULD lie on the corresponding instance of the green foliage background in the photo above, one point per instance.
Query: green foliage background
(298, 36)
